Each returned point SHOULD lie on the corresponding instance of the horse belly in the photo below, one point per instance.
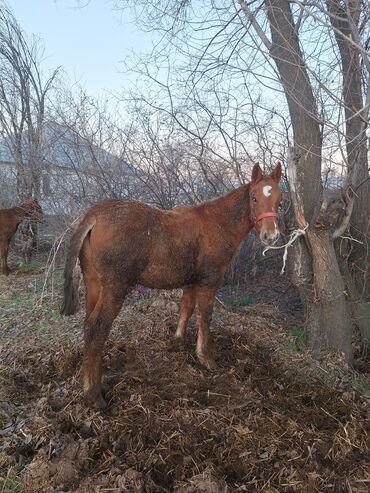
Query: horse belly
(169, 269)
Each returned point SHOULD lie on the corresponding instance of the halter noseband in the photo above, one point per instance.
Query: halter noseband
(266, 214)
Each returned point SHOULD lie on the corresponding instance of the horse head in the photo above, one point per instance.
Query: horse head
(265, 197)
(33, 209)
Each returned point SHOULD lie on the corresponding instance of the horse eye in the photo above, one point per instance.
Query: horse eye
(254, 199)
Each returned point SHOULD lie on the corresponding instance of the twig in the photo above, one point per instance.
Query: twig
(50, 263)
(293, 236)
(351, 239)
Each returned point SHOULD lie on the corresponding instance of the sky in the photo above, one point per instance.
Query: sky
(90, 42)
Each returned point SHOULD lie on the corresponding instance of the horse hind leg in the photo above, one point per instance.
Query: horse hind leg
(186, 311)
(97, 327)
(4, 250)
(92, 294)
(90, 277)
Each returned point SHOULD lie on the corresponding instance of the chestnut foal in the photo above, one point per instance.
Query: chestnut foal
(121, 243)
(9, 222)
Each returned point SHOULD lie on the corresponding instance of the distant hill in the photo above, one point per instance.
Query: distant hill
(64, 148)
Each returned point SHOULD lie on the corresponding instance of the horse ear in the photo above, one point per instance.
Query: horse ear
(256, 173)
(276, 172)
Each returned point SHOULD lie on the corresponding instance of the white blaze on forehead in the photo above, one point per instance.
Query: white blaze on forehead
(267, 190)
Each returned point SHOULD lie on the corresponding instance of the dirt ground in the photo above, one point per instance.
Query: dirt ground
(271, 418)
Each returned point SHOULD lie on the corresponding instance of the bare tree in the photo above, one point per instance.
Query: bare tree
(350, 21)
(317, 55)
(23, 104)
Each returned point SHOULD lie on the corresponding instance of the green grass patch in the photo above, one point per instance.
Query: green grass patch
(13, 307)
(34, 264)
(296, 340)
(234, 301)
(10, 483)
(358, 383)
(43, 329)
(16, 301)
(36, 286)
(55, 314)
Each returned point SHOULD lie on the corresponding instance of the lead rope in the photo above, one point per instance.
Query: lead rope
(293, 236)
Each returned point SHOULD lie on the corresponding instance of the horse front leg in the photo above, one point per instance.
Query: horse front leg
(204, 305)
(186, 311)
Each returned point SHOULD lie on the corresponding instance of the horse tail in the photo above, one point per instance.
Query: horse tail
(70, 296)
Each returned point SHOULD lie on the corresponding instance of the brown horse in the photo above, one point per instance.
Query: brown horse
(9, 222)
(121, 243)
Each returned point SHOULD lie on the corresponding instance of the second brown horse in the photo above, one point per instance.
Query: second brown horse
(9, 222)
(121, 243)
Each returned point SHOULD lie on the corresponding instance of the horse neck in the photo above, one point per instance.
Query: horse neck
(232, 212)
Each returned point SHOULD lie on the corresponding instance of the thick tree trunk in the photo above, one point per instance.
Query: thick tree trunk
(288, 57)
(356, 117)
(28, 185)
(356, 273)
(316, 271)
(335, 327)
(301, 273)
(358, 306)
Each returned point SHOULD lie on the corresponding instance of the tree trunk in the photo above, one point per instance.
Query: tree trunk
(334, 329)
(356, 276)
(327, 320)
(318, 278)
(359, 308)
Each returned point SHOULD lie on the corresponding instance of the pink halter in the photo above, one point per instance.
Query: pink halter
(267, 214)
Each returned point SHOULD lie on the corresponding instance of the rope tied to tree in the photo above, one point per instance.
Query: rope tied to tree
(293, 236)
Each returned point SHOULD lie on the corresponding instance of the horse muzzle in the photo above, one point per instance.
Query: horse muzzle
(269, 238)
(269, 233)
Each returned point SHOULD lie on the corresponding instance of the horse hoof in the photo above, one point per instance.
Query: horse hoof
(207, 361)
(176, 344)
(95, 401)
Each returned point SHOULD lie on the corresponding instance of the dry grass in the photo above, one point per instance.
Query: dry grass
(269, 419)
